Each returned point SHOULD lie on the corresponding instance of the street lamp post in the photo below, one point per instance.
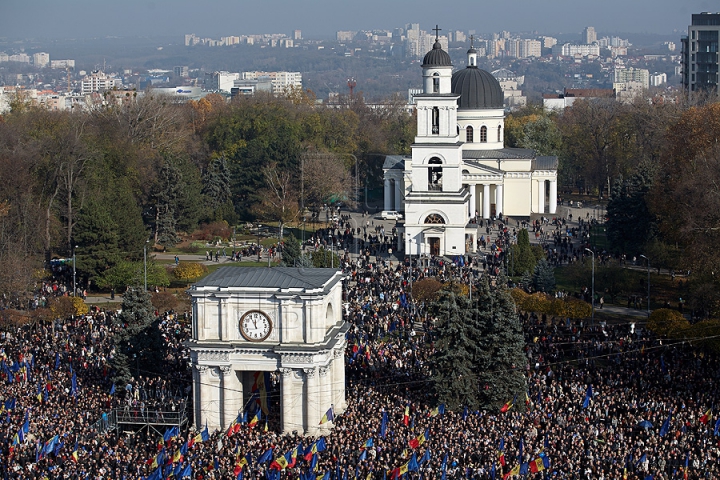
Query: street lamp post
(592, 318)
(648, 283)
(259, 248)
(145, 265)
(74, 288)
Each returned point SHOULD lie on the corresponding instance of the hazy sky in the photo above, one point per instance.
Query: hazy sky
(215, 18)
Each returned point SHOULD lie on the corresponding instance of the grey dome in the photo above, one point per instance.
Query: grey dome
(437, 57)
(477, 89)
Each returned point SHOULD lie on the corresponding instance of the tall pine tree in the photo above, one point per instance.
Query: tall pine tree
(457, 350)
(501, 361)
(168, 192)
(139, 344)
(217, 191)
(543, 278)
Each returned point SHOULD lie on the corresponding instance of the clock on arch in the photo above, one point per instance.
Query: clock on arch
(255, 326)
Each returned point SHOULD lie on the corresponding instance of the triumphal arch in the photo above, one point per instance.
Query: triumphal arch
(270, 340)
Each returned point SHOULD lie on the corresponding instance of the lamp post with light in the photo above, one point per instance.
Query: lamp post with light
(74, 292)
(592, 318)
(648, 283)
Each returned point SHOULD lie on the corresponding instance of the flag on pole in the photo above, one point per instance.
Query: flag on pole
(588, 397)
(420, 439)
(406, 416)
(328, 417)
(383, 424)
(666, 425)
(705, 418)
(508, 405)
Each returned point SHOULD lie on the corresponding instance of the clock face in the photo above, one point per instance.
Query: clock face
(255, 326)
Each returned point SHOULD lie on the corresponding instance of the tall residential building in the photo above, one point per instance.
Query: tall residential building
(589, 35)
(99, 82)
(635, 75)
(41, 59)
(700, 52)
(297, 34)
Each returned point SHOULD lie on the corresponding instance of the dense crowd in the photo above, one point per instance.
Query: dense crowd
(606, 402)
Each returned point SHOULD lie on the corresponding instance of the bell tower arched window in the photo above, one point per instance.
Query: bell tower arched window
(469, 134)
(499, 133)
(435, 174)
(436, 121)
(434, 219)
(483, 134)
(436, 83)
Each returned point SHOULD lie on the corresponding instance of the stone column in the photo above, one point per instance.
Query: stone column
(339, 379)
(232, 394)
(499, 199)
(387, 192)
(210, 397)
(200, 393)
(398, 195)
(312, 409)
(553, 197)
(473, 189)
(326, 394)
(290, 418)
(486, 201)
(541, 196)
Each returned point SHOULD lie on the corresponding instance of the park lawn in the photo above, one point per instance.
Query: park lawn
(662, 287)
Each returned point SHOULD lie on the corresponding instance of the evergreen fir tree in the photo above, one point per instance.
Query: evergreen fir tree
(630, 225)
(166, 200)
(291, 251)
(501, 361)
(457, 349)
(216, 189)
(96, 235)
(543, 278)
(523, 256)
(139, 344)
(526, 281)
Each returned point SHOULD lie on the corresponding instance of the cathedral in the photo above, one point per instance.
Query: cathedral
(460, 171)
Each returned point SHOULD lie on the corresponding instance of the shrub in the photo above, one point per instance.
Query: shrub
(666, 322)
(164, 301)
(189, 271)
(63, 307)
(212, 231)
(426, 290)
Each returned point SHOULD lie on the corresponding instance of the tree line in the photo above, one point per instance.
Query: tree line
(125, 175)
(656, 162)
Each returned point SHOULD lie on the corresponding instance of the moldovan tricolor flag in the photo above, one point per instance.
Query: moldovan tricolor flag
(406, 416)
(537, 465)
(419, 440)
(328, 417)
(705, 418)
(508, 405)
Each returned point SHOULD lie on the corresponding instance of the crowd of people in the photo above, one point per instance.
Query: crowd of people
(603, 402)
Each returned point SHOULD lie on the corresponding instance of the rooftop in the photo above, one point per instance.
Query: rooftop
(282, 278)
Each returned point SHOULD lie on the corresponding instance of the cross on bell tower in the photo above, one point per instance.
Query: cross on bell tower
(437, 32)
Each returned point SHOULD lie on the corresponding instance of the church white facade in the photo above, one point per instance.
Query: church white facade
(247, 321)
(460, 170)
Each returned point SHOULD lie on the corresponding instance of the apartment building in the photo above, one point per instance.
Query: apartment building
(700, 52)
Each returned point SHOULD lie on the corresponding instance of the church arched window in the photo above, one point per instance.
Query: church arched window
(435, 219)
(469, 134)
(435, 174)
(499, 133)
(436, 121)
(483, 134)
(436, 83)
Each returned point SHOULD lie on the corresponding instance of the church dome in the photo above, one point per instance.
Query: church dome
(437, 57)
(477, 89)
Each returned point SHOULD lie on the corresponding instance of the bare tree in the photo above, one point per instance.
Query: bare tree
(279, 198)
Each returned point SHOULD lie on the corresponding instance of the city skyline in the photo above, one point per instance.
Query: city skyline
(322, 18)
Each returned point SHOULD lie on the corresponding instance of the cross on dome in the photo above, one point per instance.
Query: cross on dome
(437, 32)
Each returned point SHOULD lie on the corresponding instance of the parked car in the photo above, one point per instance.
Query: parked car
(390, 215)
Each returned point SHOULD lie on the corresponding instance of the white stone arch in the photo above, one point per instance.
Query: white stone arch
(329, 314)
(440, 213)
(426, 160)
